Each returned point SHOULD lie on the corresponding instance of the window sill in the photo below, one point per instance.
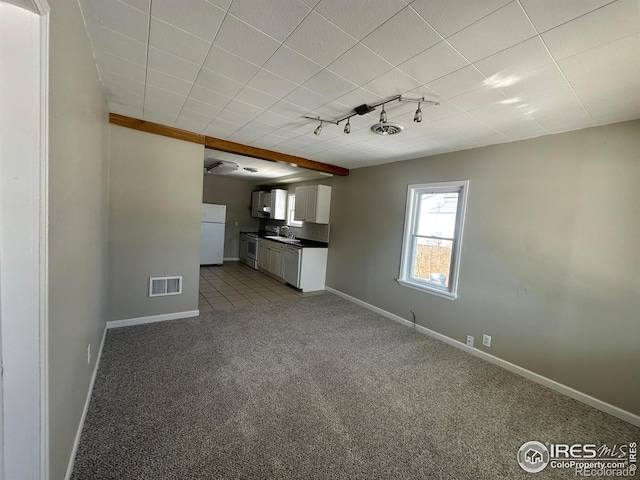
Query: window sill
(423, 288)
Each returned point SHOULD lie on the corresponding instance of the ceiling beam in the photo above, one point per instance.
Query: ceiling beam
(225, 145)
(248, 151)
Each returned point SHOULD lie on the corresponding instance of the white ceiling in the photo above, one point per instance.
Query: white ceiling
(249, 70)
(271, 171)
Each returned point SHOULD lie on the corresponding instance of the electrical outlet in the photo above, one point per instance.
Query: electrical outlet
(88, 354)
(469, 341)
(486, 340)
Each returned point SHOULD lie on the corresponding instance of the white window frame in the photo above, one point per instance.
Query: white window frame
(291, 211)
(408, 244)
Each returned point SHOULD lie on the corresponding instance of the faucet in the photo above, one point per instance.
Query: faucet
(288, 230)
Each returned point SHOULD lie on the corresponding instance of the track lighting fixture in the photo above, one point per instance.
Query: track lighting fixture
(418, 116)
(365, 109)
(383, 116)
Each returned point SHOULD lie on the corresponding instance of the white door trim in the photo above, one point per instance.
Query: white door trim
(24, 64)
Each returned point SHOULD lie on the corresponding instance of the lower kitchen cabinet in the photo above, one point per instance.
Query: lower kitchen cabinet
(276, 263)
(271, 258)
(304, 268)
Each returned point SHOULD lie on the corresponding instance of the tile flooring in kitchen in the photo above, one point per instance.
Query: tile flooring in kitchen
(234, 284)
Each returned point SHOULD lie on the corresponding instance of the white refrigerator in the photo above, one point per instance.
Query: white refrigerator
(212, 234)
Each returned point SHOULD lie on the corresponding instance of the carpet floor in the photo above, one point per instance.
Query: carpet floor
(315, 388)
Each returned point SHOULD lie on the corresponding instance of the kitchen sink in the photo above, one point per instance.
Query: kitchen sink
(282, 239)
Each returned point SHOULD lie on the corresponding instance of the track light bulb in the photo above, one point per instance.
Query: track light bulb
(383, 116)
(418, 116)
(347, 127)
(318, 129)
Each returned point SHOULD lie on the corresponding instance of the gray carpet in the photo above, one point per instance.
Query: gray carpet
(315, 388)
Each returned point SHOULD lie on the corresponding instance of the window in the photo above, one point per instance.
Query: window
(432, 237)
(291, 210)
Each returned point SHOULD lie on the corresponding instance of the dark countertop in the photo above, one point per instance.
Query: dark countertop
(303, 243)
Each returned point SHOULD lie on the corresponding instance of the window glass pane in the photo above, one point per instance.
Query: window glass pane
(437, 214)
(432, 261)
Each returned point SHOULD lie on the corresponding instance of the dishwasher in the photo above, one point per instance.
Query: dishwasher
(292, 257)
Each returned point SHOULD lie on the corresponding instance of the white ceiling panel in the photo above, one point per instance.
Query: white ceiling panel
(241, 108)
(271, 84)
(255, 97)
(522, 130)
(394, 82)
(359, 17)
(607, 24)
(192, 121)
(277, 22)
(197, 17)
(608, 72)
(231, 117)
(319, 40)
(502, 29)
(629, 108)
(218, 83)
(502, 70)
(159, 107)
(360, 65)
(118, 16)
(462, 81)
(205, 95)
(165, 96)
(542, 78)
(223, 4)
(504, 67)
(401, 37)
(170, 39)
(115, 43)
(176, 85)
(198, 107)
(242, 39)
(289, 64)
(546, 14)
(306, 98)
(478, 98)
(108, 63)
(172, 65)
(329, 84)
(436, 62)
(124, 98)
(118, 82)
(139, 4)
(451, 16)
(229, 65)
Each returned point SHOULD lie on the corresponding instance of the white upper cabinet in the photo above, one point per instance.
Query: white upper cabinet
(271, 204)
(313, 203)
(278, 204)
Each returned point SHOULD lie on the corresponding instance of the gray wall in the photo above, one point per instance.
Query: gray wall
(550, 259)
(78, 136)
(236, 195)
(155, 193)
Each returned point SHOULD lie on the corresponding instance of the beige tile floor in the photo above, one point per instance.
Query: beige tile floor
(234, 284)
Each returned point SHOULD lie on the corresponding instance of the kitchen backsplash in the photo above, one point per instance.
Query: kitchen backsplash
(308, 231)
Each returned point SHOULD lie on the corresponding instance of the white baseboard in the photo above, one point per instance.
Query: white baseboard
(152, 319)
(76, 442)
(547, 382)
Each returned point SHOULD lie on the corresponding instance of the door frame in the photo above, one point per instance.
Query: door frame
(24, 158)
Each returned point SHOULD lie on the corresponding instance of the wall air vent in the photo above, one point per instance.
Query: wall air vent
(162, 286)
